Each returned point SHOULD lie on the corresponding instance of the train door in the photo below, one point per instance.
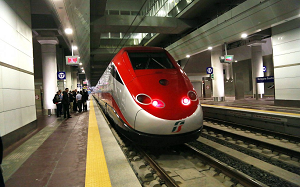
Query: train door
(207, 87)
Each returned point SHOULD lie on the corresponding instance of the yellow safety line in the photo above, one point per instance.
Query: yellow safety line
(275, 112)
(96, 169)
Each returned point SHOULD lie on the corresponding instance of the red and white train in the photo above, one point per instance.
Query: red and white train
(149, 98)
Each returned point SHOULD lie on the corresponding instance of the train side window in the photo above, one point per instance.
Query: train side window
(118, 78)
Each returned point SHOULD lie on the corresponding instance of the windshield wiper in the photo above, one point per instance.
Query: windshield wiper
(159, 63)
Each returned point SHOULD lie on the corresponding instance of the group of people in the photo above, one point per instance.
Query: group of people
(76, 100)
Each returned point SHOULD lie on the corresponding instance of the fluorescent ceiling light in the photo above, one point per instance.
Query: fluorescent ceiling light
(244, 35)
(68, 31)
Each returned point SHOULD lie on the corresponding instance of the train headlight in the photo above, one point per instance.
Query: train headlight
(144, 99)
(185, 101)
(192, 95)
(158, 103)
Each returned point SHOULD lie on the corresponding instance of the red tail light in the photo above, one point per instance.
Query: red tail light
(185, 101)
(158, 103)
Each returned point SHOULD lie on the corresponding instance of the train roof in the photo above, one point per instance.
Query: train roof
(141, 48)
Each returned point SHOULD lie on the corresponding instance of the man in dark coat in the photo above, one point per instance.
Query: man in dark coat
(66, 102)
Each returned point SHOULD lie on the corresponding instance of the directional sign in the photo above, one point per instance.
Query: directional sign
(209, 70)
(264, 79)
(264, 69)
(61, 75)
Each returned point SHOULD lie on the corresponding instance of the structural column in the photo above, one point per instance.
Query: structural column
(68, 77)
(49, 67)
(257, 69)
(218, 81)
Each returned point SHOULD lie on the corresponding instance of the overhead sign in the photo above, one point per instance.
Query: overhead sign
(61, 75)
(264, 79)
(228, 58)
(72, 60)
(78, 85)
(209, 70)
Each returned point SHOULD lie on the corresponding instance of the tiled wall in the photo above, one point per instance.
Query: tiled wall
(17, 98)
(286, 53)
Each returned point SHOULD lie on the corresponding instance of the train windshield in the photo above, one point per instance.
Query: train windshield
(151, 60)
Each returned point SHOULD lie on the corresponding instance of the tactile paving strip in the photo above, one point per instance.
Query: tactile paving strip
(96, 167)
(12, 162)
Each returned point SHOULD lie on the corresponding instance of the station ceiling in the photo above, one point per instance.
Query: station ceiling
(103, 27)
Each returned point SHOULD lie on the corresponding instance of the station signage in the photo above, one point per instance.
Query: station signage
(209, 70)
(72, 60)
(264, 79)
(61, 75)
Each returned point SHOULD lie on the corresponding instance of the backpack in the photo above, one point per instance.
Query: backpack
(54, 100)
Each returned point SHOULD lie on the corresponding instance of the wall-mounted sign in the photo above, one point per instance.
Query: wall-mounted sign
(264, 79)
(226, 58)
(72, 60)
(264, 69)
(61, 75)
(209, 70)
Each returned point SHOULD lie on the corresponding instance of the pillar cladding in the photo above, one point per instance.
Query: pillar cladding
(257, 69)
(218, 81)
(49, 67)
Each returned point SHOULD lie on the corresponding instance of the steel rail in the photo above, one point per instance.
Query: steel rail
(243, 179)
(159, 170)
(273, 147)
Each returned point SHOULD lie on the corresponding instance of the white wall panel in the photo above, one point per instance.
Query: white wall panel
(28, 115)
(12, 120)
(2, 127)
(288, 83)
(27, 98)
(17, 102)
(24, 30)
(287, 72)
(8, 54)
(7, 14)
(288, 47)
(286, 51)
(286, 37)
(26, 81)
(11, 99)
(1, 86)
(25, 62)
(10, 78)
(287, 94)
(286, 59)
(1, 100)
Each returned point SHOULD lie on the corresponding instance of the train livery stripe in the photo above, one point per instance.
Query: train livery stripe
(96, 167)
(251, 110)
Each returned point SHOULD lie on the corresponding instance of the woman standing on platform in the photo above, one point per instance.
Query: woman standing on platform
(79, 101)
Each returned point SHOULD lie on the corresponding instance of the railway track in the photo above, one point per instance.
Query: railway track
(201, 163)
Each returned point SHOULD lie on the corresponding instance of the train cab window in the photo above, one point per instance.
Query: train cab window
(153, 60)
(118, 78)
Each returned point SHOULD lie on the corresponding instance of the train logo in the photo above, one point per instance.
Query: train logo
(177, 126)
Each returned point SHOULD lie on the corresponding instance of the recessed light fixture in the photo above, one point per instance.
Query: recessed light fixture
(80, 64)
(235, 61)
(68, 31)
(244, 35)
(74, 47)
(188, 56)
(209, 48)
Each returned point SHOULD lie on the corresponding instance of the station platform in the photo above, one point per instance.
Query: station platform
(79, 151)
(261, 113)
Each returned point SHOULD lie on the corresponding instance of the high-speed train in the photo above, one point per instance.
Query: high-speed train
(149, 98)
